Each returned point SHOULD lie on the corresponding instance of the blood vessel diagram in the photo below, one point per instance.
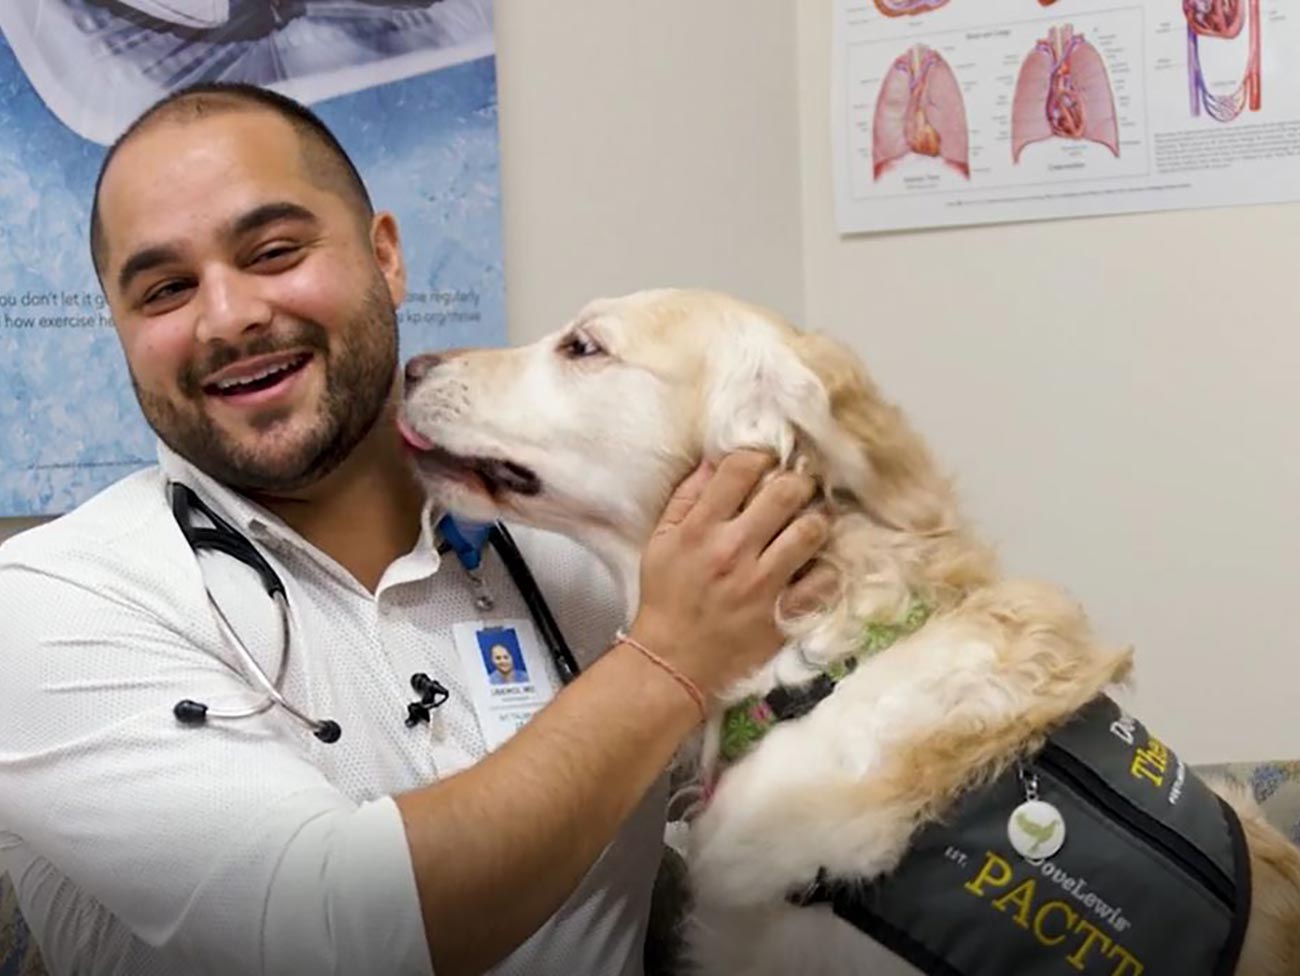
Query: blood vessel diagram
(919, 110)
(901, 8)
(1222, 19)
(1063, 90)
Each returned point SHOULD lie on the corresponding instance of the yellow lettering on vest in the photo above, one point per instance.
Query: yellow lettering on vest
(1047, 930)
(1150, 763)
(1076, 958)
(1022, 895)
(1128, 966)
(1048, 907)
(986, 875)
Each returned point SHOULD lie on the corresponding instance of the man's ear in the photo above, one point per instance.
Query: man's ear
(386, 244)
(762, 395)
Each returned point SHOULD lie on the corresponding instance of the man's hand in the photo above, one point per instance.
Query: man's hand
(716, 566)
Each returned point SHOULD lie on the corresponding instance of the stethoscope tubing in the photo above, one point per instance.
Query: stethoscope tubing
(224, 538)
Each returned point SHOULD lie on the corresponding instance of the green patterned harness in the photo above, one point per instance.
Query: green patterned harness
(746, 722)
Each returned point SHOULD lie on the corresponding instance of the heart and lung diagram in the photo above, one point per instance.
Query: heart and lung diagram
(919, 110)
(905, 8)
(1063, 91)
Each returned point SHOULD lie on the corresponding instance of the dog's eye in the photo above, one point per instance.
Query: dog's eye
(579, 346)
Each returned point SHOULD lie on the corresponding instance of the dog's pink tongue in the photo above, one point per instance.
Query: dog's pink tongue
(414, 439)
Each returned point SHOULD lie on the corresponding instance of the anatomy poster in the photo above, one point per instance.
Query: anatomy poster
(948, 112)
(409, 88)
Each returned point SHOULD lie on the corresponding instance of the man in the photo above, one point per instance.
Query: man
(254, 293)
(503, 667)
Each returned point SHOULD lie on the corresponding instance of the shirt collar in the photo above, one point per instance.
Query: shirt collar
(258, 522)
(239, 510)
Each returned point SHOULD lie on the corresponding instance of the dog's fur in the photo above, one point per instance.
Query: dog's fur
(608, 414)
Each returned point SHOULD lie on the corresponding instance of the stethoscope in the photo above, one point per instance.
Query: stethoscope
(466, 541)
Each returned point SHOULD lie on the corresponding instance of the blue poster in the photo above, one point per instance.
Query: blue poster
(408, 87)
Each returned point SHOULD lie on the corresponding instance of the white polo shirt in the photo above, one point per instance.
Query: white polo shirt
(139, 846)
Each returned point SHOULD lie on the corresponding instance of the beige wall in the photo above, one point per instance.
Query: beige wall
(647, 144)
(1117, 397)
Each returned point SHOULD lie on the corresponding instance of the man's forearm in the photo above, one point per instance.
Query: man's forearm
(498, 848)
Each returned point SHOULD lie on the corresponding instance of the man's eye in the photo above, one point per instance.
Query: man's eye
(579, 346)
(279, 254)
(163, 292)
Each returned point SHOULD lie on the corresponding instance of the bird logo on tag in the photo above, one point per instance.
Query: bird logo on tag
(1036, 830)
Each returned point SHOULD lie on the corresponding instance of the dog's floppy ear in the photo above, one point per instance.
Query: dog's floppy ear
(805, 397)
(762, 395)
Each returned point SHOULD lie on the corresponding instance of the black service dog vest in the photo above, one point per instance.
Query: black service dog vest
(1153, 877)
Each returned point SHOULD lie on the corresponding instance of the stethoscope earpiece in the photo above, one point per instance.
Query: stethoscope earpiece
(189, 712)
(328, 731)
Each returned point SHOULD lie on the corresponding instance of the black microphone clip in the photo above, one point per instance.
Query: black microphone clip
(432, 695)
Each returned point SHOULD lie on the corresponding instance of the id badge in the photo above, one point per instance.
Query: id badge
(507, 673)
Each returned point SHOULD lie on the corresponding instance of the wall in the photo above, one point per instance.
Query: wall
(1118, 398)
(647, 144)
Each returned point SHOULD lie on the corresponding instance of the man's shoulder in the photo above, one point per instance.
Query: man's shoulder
(120, 523)
(117, 564)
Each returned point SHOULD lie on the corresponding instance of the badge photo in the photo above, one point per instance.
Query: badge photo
(503, 659)
(507, 674)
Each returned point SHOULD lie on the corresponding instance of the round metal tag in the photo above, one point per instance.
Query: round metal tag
(1036, 830)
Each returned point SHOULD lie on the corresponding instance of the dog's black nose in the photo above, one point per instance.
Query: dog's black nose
(417, 367)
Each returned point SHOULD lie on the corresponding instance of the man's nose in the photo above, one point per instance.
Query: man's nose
(231, 305)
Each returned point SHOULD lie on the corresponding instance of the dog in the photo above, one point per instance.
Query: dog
(945, 687)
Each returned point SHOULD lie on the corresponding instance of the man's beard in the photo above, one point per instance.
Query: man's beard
(358, 380)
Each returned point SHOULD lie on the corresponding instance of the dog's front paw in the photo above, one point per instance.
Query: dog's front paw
(755, 843)
(736, 864)
(786, 812)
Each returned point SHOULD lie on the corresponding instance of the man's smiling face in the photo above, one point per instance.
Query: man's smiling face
(255, 300)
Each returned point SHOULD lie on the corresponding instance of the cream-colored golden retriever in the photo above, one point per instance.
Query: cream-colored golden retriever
(961, 675)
